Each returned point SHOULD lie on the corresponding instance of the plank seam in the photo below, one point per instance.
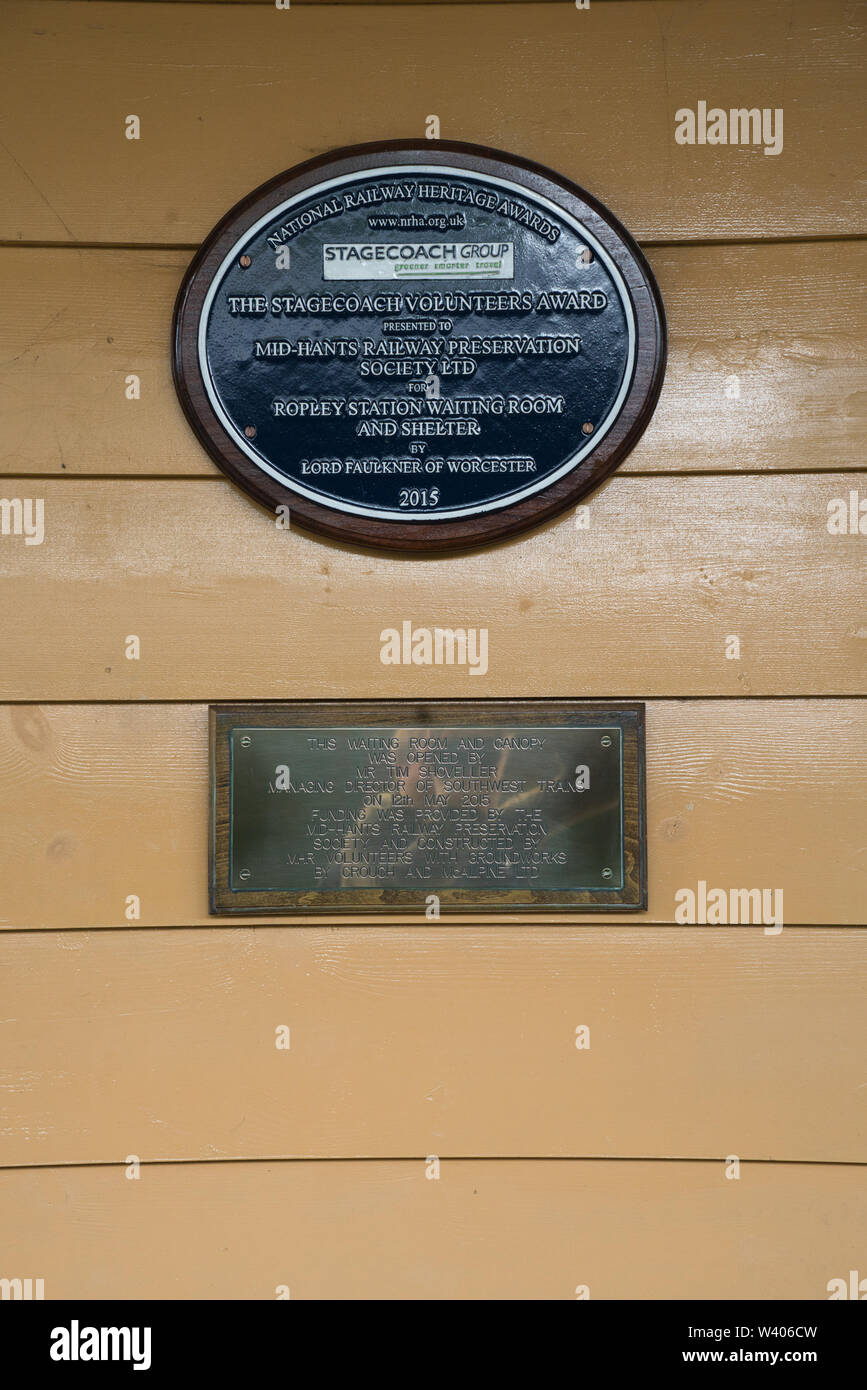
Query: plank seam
(540, 699)
(443, 1158)
(649, 244)
(261, 923)
(845, 469)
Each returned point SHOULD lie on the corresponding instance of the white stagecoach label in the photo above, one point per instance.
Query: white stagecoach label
(413, 260)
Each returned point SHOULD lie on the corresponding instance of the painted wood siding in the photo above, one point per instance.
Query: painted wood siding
(155, 1036)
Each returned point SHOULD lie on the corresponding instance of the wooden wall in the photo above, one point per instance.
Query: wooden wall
(154, 1035)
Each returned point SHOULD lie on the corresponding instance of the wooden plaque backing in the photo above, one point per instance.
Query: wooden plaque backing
(421, 536)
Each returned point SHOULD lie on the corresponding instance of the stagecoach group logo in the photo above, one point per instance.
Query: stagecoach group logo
(419, 346)
(413, 260)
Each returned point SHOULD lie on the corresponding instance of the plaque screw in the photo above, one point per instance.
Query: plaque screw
(245, 873)
(606, 740)
(587, 428)
(246, 741)
(606, 873)
(245, 261)
(587, 255)
(250, 431)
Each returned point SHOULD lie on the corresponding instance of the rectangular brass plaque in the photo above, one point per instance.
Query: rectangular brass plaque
(506, 806)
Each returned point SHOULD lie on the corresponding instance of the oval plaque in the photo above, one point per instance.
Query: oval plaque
(419, 346)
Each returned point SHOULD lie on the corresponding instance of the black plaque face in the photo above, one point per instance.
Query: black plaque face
(352, 808)
(419, 346)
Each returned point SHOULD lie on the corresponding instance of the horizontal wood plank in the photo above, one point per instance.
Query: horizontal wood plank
(702, 1042)
(229, 95)
(289, 3)
(101, 802)
(766, 362)
(641, 603)
(484, 1230)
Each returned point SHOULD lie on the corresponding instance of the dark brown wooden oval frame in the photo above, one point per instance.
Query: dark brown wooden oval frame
(415, 536)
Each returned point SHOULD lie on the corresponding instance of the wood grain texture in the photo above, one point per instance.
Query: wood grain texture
(501, 1230)
(79, 322)
(230, 95)
(292, 3)
(417, 1039)
(353, 2)
(703, 1042)
(227, 606)
(100, 802)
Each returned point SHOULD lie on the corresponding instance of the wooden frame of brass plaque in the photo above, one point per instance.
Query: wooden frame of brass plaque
(435, 807)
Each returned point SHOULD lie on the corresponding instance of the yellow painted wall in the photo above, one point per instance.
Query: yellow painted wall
(154, 1035)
